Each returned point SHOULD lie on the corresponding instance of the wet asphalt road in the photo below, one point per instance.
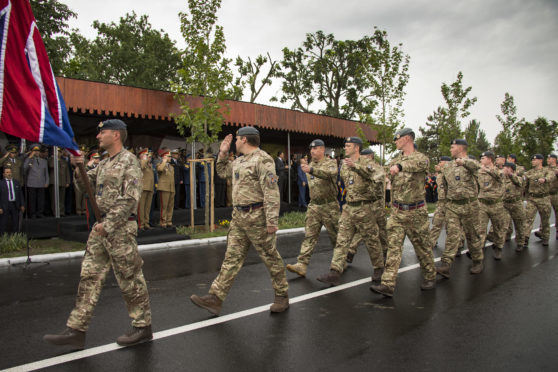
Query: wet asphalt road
(504, 319)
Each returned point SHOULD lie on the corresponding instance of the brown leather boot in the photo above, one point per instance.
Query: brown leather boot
(135, 336)
(210, 302)
(377, 275)
(69, 336)
(298, 268)
(477, 267)
(382, 289)
(444, 269)
(332, 278)
(280, 304)
(497, 254)
(427, 285)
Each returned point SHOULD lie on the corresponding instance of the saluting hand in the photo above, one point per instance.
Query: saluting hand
(75, 160)
(226, 145)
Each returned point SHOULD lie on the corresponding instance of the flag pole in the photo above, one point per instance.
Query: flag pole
(89, 191)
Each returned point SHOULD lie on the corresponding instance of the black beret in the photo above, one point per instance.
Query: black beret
(445, 158)
(511, 165)
(488, 154)
(512, 156)
(459, 141)
(112, 124)
(537, 156)
(316, 143)
(553, 156)
(247, 131)
(353, 140)
(404, 132)
(367, 152)
(472, 157)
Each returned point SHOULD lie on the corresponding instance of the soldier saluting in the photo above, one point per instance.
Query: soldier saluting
(255, 219)
(112, 242)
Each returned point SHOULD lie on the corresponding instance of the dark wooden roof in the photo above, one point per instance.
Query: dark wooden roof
(88, 97)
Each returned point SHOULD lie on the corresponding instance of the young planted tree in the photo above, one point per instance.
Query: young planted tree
(506, 141)
(476, 138)
(431, 135)
(249, 72)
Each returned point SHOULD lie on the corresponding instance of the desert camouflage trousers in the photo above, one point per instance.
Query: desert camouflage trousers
(119, 250)
(543, 206)
(466, 217)
(249, 228)
(439, 222)
(359, 219)
(317, 216)
(499, 220)
(381, 221)
(554, 203)
(414, 224)
(516, 217)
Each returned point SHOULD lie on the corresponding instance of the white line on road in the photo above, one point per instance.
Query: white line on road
(198, 325)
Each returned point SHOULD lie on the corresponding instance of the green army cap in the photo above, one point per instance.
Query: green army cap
(112, 124)
(247, 131)
(367, 152)
(404, 132)
(11, 148)
(36, 148)
(316, 143)
(356, 140)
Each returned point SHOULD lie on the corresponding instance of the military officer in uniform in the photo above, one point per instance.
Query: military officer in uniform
(460, 183)
(357, 172)
(144, 208)
(112, 242)
(323, 209)
(15, 163)
(409, 215)
(537, 186)
(166, 189)
(513, 202)
(439, 219)
(552, 167)
(254, 221)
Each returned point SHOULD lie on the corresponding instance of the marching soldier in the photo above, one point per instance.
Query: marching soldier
(166, 189)
(357, 172)
(439, 219)
(460, 181)
(80, 195)
(500, 161)
(112, 242)
(254, 221)
(537, 187)
(144, 208)
(552, 166)
(323, 209)
(409, 215)
(513, 202)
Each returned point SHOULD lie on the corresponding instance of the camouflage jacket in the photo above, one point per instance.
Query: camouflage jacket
(322, 179)
(407, 186)
(554, 184)
(532, 184)
(491, 183)
(254, 181)
(117, 183)
(519, 170)
(358, 178)
(513, 186)
(441, 187)
(378, 183)
(460, 182)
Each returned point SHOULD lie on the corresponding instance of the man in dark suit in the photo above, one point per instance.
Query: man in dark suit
(11, 202)
(281, 169)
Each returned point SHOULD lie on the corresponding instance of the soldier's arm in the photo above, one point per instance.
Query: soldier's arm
(471, 165)
(91, 175)
(268, 182)
(516, 180)
(161, 167)
(496, 174)
(326, 172)
(127, 200)
(365, 170)
(414, 164)
(222, 166)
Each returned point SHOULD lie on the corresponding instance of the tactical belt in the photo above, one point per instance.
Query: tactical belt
(512, 200)
(462, 201)
(322, 201)
(132, 217)
(490, 201)
(359, 203)
(249, 207)
(408, 207)
(553, 192)
(534, 195)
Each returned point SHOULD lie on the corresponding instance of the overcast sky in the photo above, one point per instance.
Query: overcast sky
(499, 45)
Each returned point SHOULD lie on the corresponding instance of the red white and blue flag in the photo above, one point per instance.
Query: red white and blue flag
(31, 106)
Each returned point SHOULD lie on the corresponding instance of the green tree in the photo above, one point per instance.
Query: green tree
(52, 20)
(506, 140)
(249, 72)
(458, 104)
(538, 137)
(128, 53)
(432, 134)
(476, 138)
(205, 73)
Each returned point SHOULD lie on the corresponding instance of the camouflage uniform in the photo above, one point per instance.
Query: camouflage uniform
(323, 209)
(256, 206)
(358, 214)
(491, 184)
(409, 216)
(462, 209)
(553, 191)
(538, 199)
(513, 202)
(117, 184)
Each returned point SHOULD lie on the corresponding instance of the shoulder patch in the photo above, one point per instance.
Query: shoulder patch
(272, 179)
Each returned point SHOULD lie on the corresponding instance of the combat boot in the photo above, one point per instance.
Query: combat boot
(298, 268)
(382, 289)
(135, 336)
(350, 257)
(427, 285)
(377, 275)
(210, 302)
(444, 269)
(332, 278)
(538, 234)
(497, 254)
(458, 253)
(280, 304)
(69, 336)
(545, 243)
(477, 267)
